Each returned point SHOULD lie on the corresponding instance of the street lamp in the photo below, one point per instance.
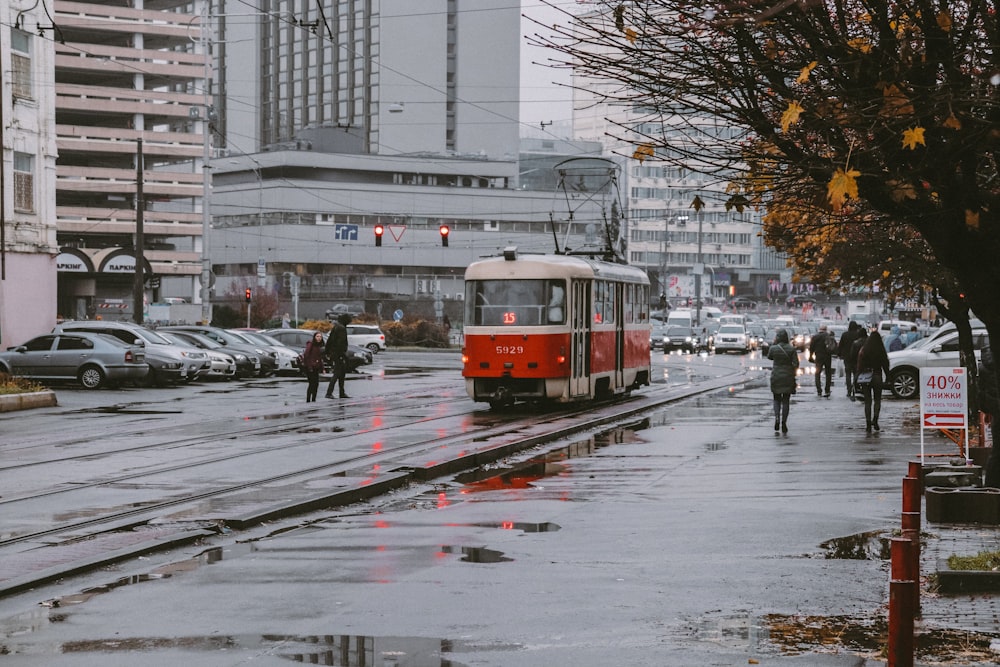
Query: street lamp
(665, 250)
(699, 268)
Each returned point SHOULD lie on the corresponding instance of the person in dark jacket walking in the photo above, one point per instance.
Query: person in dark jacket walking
(785, 364)
(312, 364)
(873, 358)
(820, 355)
(336, 352)
(989, 404)
(850, 360)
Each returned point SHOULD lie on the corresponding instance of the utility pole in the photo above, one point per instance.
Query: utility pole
(138, 287)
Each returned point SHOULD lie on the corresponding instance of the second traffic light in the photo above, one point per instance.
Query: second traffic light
(379, 230)
(249, 294)
(444, 235)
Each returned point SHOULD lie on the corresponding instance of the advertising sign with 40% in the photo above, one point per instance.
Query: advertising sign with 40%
(943, 401)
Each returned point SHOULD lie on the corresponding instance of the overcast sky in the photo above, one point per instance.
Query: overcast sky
(541, 99)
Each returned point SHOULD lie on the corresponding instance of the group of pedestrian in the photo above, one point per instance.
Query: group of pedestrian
(897, 340)
(866, 368)
(333, 351)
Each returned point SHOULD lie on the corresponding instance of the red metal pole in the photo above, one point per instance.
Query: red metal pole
(902, 596)
(911, 494)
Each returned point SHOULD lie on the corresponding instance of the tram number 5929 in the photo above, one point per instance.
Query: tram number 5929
(510, 349)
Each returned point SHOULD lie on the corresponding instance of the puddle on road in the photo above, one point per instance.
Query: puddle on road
(325, 649)
(872, 545)
(322, 429)
(477, 554)
(124, 410)
(415, 372)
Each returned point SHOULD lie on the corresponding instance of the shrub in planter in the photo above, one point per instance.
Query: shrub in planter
(11, 384)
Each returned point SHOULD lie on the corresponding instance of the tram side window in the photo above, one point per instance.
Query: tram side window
(604, 302)
(517, 302)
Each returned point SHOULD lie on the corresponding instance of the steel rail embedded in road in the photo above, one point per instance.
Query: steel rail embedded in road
(313, 482)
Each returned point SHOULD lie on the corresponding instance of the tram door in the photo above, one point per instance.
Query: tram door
(620, 334)
(579, 381)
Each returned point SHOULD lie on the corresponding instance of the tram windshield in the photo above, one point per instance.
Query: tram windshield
(536, 302)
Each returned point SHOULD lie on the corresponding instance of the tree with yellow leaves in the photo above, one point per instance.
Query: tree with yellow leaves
(890, 108)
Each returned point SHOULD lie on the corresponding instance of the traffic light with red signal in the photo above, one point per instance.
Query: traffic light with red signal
(379, 230)
(249, 294)
(444, 235)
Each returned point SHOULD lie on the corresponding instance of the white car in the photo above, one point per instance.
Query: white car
(939, 351)
(366, 335)
(732, 338)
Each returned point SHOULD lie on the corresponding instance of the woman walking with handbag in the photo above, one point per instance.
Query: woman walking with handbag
(872, 363)
(312, 364)
(785, 363)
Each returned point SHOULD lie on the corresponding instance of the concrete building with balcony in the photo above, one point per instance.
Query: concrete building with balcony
(129, 72)
(28, 246)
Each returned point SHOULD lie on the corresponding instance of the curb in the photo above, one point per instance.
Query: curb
(35, 399)
(966, 581)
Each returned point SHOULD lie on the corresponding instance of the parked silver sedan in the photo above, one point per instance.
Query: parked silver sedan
(91, 359)
(220, 366)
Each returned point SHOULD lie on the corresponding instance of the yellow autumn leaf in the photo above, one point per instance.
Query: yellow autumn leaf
(805, 72)
(944, 21)
(860, 44)
(631, 35)
(791, 115)
(952, 122)
(896, 103)
(900, 191)
(885, 274)
(913, 137)
(642, 152)
(972, 219)
(843, 185)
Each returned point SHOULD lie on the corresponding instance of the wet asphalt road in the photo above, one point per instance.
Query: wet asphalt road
(694, 537)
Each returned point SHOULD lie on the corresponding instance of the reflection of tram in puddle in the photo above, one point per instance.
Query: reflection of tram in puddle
(554, 328)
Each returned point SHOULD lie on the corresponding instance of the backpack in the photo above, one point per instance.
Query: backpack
(831, 344)
(895, 344)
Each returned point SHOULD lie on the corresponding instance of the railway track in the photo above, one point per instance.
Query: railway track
(140, 487)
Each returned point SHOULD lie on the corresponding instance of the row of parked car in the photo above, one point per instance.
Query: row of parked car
(97, 353)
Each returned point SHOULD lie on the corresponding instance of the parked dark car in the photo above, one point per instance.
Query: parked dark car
(286, 359)
(92, 359)
(297, 339)
(268, 362)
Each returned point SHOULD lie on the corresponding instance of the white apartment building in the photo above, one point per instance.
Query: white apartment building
(28, 247)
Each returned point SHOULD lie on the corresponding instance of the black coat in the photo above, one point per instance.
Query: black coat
(336, 343)
(847, 344)
(988, 400)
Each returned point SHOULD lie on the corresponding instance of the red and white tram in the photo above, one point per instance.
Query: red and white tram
(556, 328)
